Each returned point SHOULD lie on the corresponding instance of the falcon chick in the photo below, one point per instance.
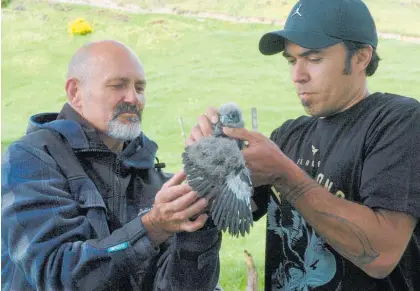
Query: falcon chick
(215, 168)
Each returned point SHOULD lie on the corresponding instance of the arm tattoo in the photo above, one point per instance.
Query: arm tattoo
(363, 254)
(300, 191)
(292, 191)
(366, 254)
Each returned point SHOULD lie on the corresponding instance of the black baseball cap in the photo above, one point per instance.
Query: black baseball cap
(317, 24)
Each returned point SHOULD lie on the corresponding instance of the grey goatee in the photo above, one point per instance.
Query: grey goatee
(216, 169)
(122, 131)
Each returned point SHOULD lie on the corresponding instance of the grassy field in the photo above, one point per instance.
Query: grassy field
(387, 13)
(190, 63)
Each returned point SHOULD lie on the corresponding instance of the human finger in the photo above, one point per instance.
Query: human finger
(196, 134)
(182, 202)
(191, 226)
(241, 133)
(205, 125)
(191, 210)
(172, 193)
(176, 179)
(212, 114)
(190, 140)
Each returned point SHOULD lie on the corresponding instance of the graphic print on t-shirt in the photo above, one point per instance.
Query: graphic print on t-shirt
(306, 262)
(297, 271)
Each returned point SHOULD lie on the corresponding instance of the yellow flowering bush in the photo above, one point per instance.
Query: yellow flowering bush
(79, 27)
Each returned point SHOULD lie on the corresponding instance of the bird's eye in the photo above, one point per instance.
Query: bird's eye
(234, 115)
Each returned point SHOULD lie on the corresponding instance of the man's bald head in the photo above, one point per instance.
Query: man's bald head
(106, 85)
(93, 54)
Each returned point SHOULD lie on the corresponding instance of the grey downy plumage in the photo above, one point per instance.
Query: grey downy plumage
(216, 169)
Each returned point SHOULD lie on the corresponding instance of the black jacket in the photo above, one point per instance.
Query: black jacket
(86, 233)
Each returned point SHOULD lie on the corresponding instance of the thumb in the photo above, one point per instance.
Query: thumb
(239, 133)
(176, 179)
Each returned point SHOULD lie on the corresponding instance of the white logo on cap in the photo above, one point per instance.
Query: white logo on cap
(297, 11)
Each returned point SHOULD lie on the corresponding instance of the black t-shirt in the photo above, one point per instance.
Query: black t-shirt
(369, 154)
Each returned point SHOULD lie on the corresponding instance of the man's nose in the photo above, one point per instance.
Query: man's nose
(299, 72)
(135, 98)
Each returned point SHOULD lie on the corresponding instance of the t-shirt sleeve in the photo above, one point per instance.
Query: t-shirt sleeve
(260, 198)
(279, 135)
(391, 171)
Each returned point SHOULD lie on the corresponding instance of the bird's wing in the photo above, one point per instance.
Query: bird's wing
(204, 185)
(216, 168)
(231, 210)
(200, 175)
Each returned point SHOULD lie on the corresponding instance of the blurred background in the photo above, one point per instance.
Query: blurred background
(196, 53)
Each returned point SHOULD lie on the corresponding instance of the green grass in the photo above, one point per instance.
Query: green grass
(387, 13)
(189, 64)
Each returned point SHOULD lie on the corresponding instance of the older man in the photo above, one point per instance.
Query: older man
(118, 223)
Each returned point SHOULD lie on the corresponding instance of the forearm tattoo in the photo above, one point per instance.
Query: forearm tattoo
(293, 191)
(359, 251)
(366, 253)
(294, 194)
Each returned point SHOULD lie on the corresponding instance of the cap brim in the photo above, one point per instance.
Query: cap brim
(273, 42)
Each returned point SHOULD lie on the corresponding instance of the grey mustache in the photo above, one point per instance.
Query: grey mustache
(127, 108)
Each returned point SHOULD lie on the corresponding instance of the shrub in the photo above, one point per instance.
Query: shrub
(5, 3)
(79, 27)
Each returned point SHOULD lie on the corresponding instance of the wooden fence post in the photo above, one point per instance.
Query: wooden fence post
(254, 118)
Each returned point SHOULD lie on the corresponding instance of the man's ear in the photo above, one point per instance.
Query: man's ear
(73, 90)
(363, 58)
